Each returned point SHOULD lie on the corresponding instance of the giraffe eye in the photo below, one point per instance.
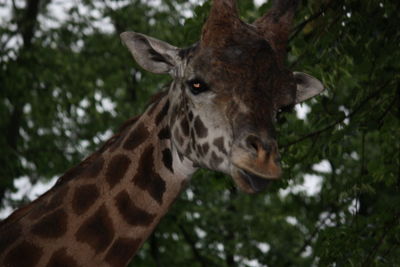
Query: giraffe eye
(197, 86)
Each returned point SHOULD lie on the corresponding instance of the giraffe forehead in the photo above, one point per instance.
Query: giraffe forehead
(249, 71)
(236, 58)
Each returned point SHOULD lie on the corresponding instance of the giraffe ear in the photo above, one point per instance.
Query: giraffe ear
(307, 86)
(151, 54)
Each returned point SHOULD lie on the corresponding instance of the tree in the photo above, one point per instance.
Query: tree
(66, 86)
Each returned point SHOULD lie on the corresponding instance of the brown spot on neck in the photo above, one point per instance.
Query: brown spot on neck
(24, 254)
(61, 258)
(164, 133)
(52, 225)
(8, 235)
(167, 159)
(53, 201)
(132, 214)
(97, 231)
(93, 169)
(84, 197)
(122, 250)
(116, 169)
(147, 178)
(137, 137)
(163, 113)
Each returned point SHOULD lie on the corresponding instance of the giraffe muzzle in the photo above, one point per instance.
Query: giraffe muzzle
(255, 163)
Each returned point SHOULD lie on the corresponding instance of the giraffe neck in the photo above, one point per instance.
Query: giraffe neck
(102, 211)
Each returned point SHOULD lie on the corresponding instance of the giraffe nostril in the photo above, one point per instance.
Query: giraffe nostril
(256, 145)
(253, 146)
(252, 143)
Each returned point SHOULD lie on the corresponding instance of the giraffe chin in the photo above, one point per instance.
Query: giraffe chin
(257, 183)
(250, 183)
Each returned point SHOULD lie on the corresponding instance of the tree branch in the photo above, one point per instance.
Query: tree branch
(314, 16)
(154, 250)
(14, 6)
(196, 253)
(389, 226)
(28, 22)
(310, 238)
(391, 105)
(336, 20)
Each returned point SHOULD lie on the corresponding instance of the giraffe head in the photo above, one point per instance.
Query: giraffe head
(227, 90)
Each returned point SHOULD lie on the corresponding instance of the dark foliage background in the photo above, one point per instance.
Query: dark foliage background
(67, 83)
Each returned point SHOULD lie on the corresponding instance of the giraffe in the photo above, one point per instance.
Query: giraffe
(218, 113)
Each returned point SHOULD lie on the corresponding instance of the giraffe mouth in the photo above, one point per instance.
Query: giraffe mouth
(257, 183)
